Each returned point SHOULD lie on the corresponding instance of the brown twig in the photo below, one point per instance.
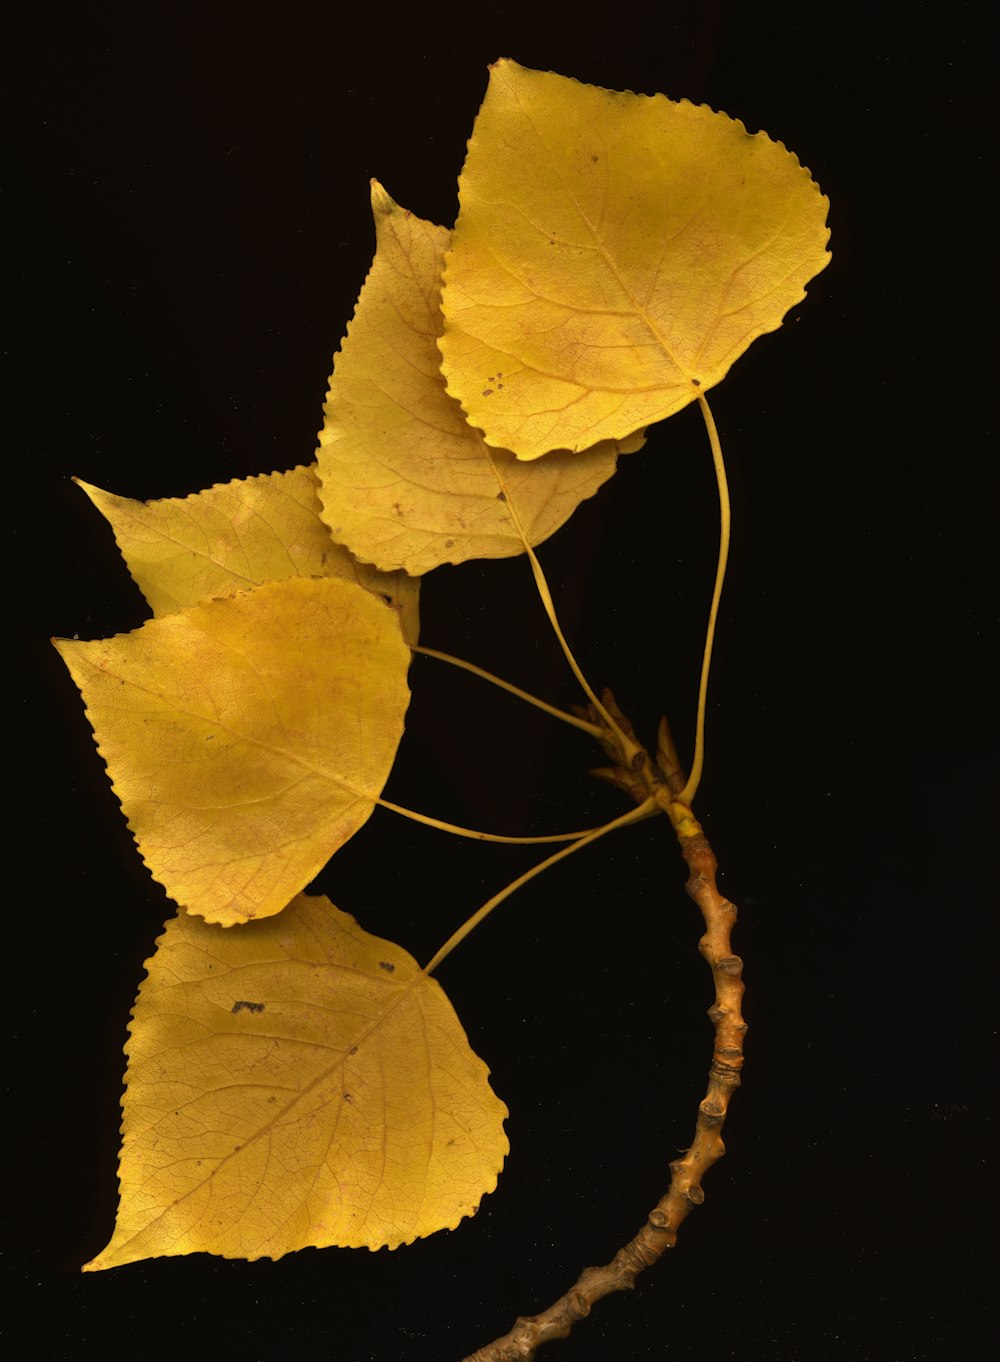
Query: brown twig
(659, 1233)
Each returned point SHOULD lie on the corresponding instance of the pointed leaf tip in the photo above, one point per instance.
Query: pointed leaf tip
(182, 550)
(406, 482)
(248, 737)
(382, 200)
(296, 1082)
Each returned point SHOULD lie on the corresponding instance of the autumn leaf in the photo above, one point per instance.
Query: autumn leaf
(248, 737)
(214, 543)
(405, 481)
(614, 254)
(296, 1082)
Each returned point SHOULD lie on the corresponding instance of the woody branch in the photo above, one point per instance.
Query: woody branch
(663, 781)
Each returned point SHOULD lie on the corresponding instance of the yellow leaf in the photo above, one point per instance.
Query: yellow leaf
(247, 737)
(405, 481)
(183, 550)
(296, 1082)
(614, 254)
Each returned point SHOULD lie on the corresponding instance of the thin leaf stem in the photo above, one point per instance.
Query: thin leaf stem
(458, 831)
(644, 810)
(629, 747)
(593, 729)
(725, 521)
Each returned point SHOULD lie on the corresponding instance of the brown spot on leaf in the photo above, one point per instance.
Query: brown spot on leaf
(387, 966)
(242, 1006)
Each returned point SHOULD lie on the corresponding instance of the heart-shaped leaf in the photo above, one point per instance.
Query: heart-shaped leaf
(614, 254)
(296, 1082)
(248, 737)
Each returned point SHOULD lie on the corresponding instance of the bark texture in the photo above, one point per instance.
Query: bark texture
(642, 778)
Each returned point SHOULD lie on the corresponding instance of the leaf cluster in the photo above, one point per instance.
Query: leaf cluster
(291, 1079)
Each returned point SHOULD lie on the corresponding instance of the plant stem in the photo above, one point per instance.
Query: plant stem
(725, 520)
(457, 831)
(659, 1233)
(593, 729)
(545, 595)
(470, 924)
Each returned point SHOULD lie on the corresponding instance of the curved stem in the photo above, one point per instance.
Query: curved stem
(458, 831)
(725, 520)
(593, 729)
(629, 748)
(685, 1192)
(457, 937)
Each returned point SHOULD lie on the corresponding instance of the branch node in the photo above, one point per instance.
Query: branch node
(612, 775)
(610, 704)
(712, 1113)
(685, 1192)
(667, 759)
(730, 1073)
(730, 964)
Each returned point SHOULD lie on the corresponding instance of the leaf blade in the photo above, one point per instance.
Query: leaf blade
(296, 1082)
(405, 481)
(227, 538)
(614, 254)
(247, 737)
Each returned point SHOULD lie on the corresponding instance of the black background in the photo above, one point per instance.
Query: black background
(192, 191)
